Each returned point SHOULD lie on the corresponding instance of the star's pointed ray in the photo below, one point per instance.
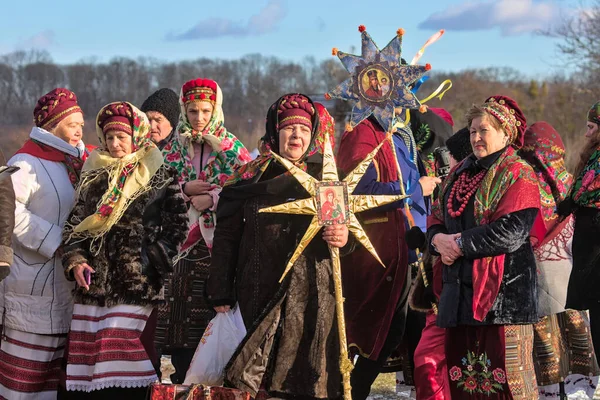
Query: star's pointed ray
(350, 61)
(359, 233)
(360, 112)
(364, 202)
(392, 53)
(369, 49)
(310, 233)
(385, 116)
(330, 172)
(343, 92)
(304, 178)
(298, 207)
(357, 173)
(408, 98)
(411, 73)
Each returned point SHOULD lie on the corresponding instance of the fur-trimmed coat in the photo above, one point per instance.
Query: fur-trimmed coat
(138, 250)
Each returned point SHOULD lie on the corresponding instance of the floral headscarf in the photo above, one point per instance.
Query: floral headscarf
(228, 153)
(544, 150)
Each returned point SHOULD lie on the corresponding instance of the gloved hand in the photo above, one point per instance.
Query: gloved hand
(566, 207)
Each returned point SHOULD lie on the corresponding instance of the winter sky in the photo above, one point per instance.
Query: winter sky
(479, 33)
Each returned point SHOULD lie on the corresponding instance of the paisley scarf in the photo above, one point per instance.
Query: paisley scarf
(544, 150)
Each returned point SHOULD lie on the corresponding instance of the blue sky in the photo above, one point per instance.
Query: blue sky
(479, 33)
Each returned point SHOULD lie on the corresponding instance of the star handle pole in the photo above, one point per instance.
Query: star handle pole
(345, 363)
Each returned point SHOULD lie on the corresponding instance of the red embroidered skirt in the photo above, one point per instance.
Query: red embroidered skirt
(106, 350)
(30, 364)
(491, 362)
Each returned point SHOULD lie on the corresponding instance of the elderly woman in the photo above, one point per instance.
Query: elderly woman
(481, 229)
(563, 351)
(119, 243)
(35, 299)
(292, 325)
(205, 154)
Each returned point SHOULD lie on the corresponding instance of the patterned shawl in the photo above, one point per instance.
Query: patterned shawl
(586, 190)
(544, 150)
(228, 153)
(128, 178)
(510, 185)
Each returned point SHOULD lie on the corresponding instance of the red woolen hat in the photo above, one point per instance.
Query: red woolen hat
(53, 107)
(514, 109)
(199, 90)
(295, 109)
(116, 117)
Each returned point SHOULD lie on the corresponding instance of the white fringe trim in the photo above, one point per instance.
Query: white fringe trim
(124, 384)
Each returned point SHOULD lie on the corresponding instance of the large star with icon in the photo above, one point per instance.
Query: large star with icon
(379, 81)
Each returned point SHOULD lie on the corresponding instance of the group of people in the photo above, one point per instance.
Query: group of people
(114, 255)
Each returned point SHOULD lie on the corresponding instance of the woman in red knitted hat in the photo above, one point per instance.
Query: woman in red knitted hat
(119, 245)
(205, 156)
(293, 321)
(482, 229)
(35, 299)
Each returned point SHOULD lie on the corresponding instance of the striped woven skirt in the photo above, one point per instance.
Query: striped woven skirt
(30, 365)
(105, 348)
(563, 352)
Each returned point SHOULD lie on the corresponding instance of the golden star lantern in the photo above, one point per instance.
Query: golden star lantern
(332, 202)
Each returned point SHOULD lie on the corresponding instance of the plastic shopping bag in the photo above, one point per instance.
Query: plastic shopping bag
(220, 340)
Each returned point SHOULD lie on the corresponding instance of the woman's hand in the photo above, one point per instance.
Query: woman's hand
(196, 187)
(336, 235)
(202, 202)
(222, 309)
(447, 247)
(428, 184)
(78, 274)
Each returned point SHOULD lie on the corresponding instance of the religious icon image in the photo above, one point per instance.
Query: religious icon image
(332, 203)
(372, 84)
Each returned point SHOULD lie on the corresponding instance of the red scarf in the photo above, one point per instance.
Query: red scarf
(45, 152)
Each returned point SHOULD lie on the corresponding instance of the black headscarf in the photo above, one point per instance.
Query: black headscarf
(265, 176)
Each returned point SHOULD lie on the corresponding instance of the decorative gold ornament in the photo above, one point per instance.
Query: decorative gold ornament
(329, 214)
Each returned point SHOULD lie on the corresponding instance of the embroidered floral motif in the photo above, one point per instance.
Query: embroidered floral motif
(475, 375)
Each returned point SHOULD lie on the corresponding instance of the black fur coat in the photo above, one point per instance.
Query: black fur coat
(138, 250)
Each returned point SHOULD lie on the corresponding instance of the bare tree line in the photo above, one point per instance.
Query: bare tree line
(251, 83)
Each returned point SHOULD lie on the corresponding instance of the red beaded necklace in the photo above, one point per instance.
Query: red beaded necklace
(464, 188)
